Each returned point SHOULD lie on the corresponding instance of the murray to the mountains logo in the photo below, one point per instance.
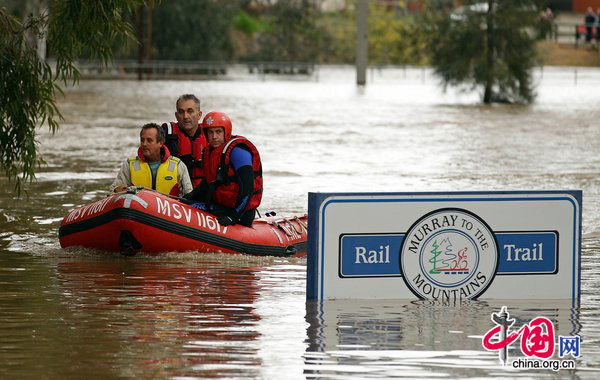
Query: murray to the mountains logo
(449, 254)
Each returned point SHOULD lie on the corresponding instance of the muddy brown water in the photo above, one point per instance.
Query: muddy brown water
(83, 313)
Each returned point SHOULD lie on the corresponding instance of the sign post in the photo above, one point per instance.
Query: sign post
(445, 246)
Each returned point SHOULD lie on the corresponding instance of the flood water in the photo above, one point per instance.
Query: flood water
(88, 314)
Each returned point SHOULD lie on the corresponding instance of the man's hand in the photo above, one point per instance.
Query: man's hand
(227, 220)
(199, 192)
(120, 188)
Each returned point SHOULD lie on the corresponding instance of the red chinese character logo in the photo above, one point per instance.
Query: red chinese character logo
(537, 337)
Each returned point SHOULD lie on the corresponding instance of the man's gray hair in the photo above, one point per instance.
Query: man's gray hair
(188, 97)
(160, 133)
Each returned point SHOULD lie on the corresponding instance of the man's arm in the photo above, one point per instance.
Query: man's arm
(183, 178)
(246, 176)
(241, 160)
(123, 178)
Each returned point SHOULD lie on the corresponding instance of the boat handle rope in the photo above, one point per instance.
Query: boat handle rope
(284, 229)
(294, 227)
(287, 226)
(302, 225)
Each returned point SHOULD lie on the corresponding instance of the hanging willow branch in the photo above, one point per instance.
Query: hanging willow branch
(29, 85)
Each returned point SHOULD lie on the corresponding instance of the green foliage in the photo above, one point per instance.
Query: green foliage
(29, 85)
(393, 38)
(489, 47)
(290, 32)
(247, 24)
(394, 35)
(338, 36)
(194, 30)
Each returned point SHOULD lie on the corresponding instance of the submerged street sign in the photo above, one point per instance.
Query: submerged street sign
(448, 246)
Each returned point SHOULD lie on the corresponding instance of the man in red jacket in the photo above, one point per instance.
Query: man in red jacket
(185, 139)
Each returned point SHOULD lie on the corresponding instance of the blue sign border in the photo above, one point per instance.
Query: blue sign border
(316, 223)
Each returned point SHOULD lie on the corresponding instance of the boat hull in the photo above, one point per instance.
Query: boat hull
(150, 222)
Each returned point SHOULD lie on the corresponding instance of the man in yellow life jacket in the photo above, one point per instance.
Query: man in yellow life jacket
(153, 167)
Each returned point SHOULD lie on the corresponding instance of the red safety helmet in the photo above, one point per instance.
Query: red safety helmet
(218, 119)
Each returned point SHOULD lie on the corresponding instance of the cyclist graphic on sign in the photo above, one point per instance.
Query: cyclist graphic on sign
(449, 254)
(449, 261)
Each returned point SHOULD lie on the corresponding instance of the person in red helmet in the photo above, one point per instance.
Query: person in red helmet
(233, 187)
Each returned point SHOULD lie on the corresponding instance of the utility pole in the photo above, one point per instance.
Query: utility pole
(362, 42)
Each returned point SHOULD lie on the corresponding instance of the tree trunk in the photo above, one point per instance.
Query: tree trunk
(148, 44)
(139, 29)
(36, 8)
(143, 23)
(489, 80)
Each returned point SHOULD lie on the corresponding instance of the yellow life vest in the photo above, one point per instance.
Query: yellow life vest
(166, 175)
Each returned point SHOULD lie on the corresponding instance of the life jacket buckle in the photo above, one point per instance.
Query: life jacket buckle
(222, 177)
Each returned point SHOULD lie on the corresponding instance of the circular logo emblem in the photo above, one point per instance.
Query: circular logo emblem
(449, 254)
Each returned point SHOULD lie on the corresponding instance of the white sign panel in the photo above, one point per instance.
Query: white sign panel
(445, 246)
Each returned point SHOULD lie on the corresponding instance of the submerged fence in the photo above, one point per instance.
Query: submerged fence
(178, 70)
(189, 69)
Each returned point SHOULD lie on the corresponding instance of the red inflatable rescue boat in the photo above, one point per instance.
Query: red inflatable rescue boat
(147, 221)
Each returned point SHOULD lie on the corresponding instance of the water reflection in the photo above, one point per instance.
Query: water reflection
(168, 317)
(420, 338)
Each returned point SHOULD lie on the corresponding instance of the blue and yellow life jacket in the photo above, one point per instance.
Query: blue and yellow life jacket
(166, 176)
